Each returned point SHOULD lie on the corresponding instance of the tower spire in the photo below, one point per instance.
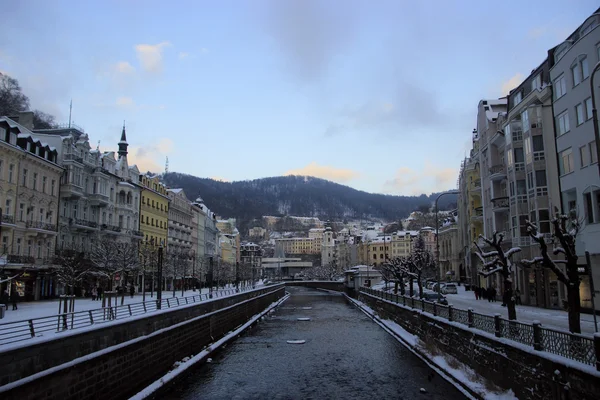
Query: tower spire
(123, 143)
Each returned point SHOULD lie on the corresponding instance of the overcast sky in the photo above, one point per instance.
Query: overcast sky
(377, 95)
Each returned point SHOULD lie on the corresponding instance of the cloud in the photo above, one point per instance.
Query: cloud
(125, 102)
(310, 33)
(150, 157)
(411, 108)
(123, 67)
(151, 56)
(183, 55)
(512, 83)
(431, 178)
(326, 172)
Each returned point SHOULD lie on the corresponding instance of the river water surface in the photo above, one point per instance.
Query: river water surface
(345, 356)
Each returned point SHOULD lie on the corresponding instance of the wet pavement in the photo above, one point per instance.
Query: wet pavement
(345, 356)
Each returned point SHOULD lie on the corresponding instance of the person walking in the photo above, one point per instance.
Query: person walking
(94, 293)
(5, 298)
(476, 290)
(99, 291)
(14, 298)
(132, 290)
(517, 297)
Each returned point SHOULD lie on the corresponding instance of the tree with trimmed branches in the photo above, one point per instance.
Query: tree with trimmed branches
(565, 231)
(397, 270)
(421, 264)
(497, 261)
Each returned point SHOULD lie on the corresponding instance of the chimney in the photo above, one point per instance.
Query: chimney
(25, 118)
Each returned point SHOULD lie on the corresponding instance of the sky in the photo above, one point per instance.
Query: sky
(377, 95)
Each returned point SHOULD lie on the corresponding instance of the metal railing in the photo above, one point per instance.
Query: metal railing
(569, 345)
(16, 331)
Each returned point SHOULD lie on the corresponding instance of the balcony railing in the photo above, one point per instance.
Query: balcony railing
(8, 219)
(136, 233)
(72, 157)
(40, 225)
(83, 222)
(111, 228)
(497, 169)
(17, 259)
(500, 203)
(476, 184)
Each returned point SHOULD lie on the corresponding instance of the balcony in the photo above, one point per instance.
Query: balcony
(8, 219)
(500, 204)
(110, 229)
(98, 200)
(70, 190)
(498, 172)
(82, 224)
(477, 214)
(100, 170)
(72, 157)
(17, 259)
(498, 139)
(41, 226)
(476, 184)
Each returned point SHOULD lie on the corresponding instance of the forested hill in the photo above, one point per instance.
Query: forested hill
(298, 196)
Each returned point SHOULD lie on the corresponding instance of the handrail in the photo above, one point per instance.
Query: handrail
(574, 346)
(16, 331)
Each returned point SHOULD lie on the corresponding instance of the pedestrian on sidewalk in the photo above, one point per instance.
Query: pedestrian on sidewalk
(517, 297)
(100, 290)
(5, 298)
(476, 290)
(94, 293)
(132, 290)
(14, 298)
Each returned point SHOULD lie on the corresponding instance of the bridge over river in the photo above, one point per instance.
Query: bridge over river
(345, 355)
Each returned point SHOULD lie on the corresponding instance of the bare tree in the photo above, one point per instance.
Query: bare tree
(148, 263)
(566, 237)
(498, 261)
(12, 99)
(325, 272)
(103, 254)
(42, 120)
(397, 270)
(421, 264)
(73, 268)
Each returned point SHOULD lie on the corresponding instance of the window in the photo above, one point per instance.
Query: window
(530, 180)
(7, 210)
(562, 122)
(22, 212)
(44, 181)
(11, 171)
(24, 183)
(41, 215)
(540, 178)
(519, 157)
(566, 161)
(544, 221)
(588, 108)
(537, 143)
(52, 186)
(579, 113)
(584, 154)
(34, 186)
(585, 70)
(525, 119)
(536, 83)
(518, 98)
(593, 153)
(576, 72)
(560, 87)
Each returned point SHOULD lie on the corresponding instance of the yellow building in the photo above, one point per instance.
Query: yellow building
(154, 210)
(375, 251)
(298, 245)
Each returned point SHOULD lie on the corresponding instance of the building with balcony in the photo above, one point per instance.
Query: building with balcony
(154, 210)
(251, 255)
(298, 245)
(451, 265)
(532, 181)
(29, 200)
(179, 236)
(571, 65)
(99, 192)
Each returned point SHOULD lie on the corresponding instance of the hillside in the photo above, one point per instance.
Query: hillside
(299, 196)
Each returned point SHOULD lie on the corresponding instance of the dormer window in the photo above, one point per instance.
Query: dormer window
(518, 98)
(536, 83)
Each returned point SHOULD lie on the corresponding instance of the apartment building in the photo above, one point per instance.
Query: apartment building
(327, 247)
(29, 177)
(450, 263)
(571, 67)
(470, 210)
(180, 222)
(532, 180)
(154, 210)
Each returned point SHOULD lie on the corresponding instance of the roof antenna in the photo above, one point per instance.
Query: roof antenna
(98, 146)
(70, 111)
(167, 166)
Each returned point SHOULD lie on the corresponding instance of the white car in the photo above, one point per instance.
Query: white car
(450, 288)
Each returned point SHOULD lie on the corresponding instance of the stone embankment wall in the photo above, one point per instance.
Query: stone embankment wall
(529, 375)
(328, 285)
(119, 360)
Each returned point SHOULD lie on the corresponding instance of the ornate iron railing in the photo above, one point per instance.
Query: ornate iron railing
(573, 346)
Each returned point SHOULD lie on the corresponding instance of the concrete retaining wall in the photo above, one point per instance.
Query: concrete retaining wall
(138, 359)
(530, 376)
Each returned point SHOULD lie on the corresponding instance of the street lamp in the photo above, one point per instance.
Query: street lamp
(159, 273)
(595, 114)
(209, 278)
(437, 240)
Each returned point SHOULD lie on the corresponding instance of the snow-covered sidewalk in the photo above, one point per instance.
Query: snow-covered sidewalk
(549, 318)
(45, 308)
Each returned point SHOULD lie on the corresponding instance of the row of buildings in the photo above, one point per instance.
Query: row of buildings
(534, 152)
(59, 193)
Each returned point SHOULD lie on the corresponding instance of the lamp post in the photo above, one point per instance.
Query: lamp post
(595, 114)
(209, 278)
(159, 277)
(193, 271)
(437, 239)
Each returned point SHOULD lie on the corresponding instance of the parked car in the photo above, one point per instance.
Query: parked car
(435, 297)
(450, 288)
